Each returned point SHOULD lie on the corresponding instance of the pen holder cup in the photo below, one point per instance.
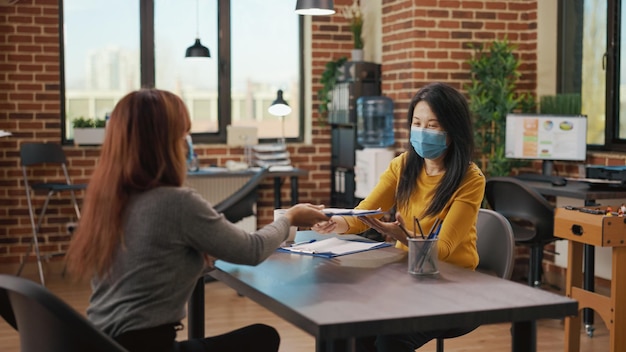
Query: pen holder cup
(422, 256)
(292, 229)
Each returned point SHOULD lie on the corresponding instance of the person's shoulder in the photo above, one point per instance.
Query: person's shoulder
(171, 193)
(402, 156)
(397, 163)
(400, 159)
(183, 198)
(474, 173)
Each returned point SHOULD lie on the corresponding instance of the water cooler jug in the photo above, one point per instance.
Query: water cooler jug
(374, 122)
(375, 136)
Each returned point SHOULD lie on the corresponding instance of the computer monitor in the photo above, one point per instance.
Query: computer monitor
(546, 137)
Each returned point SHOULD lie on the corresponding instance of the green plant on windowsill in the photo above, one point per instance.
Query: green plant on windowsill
(88, 131)
(82, 122)
(328, 80)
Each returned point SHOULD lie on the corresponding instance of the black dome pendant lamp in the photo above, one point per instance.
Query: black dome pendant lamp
(197, 49)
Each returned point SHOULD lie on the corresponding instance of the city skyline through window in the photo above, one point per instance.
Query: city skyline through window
(102, 59)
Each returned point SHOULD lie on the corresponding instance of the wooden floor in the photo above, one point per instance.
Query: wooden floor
(225, 310)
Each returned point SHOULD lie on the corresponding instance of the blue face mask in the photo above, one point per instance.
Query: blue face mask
(428, 144)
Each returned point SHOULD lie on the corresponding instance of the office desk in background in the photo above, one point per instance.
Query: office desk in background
(369, 293)
(216, 184)
(222, 182)
(581, 194)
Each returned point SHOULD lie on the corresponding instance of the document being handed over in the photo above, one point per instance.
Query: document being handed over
(332, 247)
(350, 212)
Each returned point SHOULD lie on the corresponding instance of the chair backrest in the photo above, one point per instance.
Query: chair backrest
(43, 153)
(39, 153)
(522, 205)
(45, 323)
(495, 243)
(242, 203)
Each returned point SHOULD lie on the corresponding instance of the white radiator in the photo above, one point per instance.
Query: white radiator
(215, 189)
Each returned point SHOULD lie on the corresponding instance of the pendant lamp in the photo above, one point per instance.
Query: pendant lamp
(315, 7)
(197, 49)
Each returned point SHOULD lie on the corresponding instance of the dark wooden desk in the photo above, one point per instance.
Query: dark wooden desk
(371, 293)
(195, 328)
(588, 197)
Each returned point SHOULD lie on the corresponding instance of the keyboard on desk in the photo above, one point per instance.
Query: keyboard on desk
(602, 184)
(555, 180)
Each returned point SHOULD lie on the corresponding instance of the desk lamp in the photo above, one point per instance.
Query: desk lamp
(280, 108)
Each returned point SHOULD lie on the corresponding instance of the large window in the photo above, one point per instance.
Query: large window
(590, 64)
(101, 59)
(111, 47)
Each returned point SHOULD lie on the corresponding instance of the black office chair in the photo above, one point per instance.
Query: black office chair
(242, 203)
(496, 250)
(530, 215)
(45, 323)
(50, 154)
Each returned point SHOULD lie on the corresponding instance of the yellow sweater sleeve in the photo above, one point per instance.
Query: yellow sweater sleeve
(383, 195)
(457, 238)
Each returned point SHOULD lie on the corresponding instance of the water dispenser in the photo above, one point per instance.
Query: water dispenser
(374, 122)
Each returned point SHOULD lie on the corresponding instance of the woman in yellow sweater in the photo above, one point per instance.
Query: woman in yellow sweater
(433, 179)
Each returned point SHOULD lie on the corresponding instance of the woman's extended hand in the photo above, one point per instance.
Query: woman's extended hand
(395, 229)
(305, 215)
(325, 227)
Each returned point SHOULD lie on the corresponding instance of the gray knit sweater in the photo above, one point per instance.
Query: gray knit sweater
(166, 231)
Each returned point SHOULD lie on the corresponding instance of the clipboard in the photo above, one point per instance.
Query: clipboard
(351, 212)
(333, 247)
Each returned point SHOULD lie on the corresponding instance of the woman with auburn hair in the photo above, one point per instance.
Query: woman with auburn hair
(144, 239)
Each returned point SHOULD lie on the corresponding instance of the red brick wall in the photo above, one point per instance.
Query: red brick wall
(428, 40)
(422, 41)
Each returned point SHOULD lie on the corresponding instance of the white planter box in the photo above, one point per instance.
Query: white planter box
(88, 136)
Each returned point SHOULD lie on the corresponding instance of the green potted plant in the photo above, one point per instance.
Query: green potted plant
(492, 96)
(328, 80)
(88, 131)
(355, 18)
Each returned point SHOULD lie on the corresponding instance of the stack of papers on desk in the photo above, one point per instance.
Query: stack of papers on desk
(268, 155)
(333, 247)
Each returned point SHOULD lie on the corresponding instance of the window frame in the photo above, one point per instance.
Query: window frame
(570, 70)
(147, 70)
(612, 60)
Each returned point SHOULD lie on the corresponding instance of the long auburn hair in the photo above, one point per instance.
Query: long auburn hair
(453, 113)
(144, 148)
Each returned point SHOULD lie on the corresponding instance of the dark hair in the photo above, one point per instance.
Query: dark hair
(453, 114)
(144, 148)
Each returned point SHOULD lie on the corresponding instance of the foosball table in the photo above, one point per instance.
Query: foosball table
(604, 227)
